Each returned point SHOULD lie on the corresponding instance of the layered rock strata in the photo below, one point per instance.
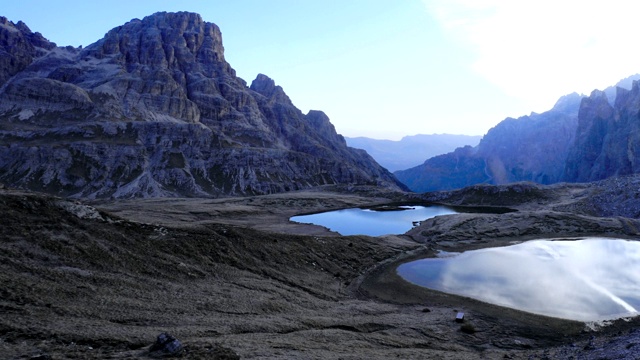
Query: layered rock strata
(530, 148)
(581, 139)
(153, 109)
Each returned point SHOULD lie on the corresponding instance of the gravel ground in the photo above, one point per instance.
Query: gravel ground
(234, 278)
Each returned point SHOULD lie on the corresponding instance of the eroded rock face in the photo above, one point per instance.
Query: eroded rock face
(581, 139)
(19, 46)
(608, 137)
(530, 148)
(154, 109)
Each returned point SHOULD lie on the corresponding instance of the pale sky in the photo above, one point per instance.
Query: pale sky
(390, 68)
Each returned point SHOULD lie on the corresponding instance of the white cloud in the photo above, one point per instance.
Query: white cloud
(540, 50)
(586, 280)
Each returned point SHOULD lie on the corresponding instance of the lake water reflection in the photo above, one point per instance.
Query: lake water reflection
(586, 280)
(373, 222)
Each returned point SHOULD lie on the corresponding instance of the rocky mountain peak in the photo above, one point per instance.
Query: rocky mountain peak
(164, 41)
(321, 123)
(153, 109)
(597, 104)
(22, 27)
(267, 87)
(628, 98)
(19, 47)
(568, 103)
(607, 143)
(624, 84)
(36, 39)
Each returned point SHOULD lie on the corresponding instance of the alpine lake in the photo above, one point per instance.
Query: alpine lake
(376, 221)
(586, 279)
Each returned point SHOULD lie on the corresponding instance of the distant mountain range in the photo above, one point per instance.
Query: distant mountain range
(410, 151)
(581, 139)
(153, 109)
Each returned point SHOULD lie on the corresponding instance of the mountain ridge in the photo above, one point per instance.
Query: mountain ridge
(608, 140)
(153, 109)
(411, 150)
(544, 148)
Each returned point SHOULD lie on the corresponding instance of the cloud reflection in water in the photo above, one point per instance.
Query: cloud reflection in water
(587, 280)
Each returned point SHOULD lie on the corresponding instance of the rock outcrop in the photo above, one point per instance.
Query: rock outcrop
(581, 139)
(154, 109)
(608, 137)
(19, 46)
(530, 148)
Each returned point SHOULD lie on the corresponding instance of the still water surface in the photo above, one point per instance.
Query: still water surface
(587, 280)
(372, 222)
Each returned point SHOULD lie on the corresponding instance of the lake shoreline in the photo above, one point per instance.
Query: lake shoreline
(370, 221)
(512, 271)
(383, 283)
(236, 274)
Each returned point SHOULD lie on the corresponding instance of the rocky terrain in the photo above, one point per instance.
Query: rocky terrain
(410, 151)
(579, 139)
(175, 182)
(153, 109)
(530, 148)
(233, 278)
(606, 143)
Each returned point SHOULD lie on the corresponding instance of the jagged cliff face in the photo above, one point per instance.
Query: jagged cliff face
(581, 139)
(530, 148)
(153, 109)
(19, 46)
(608, 137)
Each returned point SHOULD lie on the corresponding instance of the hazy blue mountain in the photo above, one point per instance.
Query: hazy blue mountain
(580, 139)
(607, 138)
(626, 83)
(410, 151)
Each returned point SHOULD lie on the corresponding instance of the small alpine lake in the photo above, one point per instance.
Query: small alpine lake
(375, 221)
(587, 279)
